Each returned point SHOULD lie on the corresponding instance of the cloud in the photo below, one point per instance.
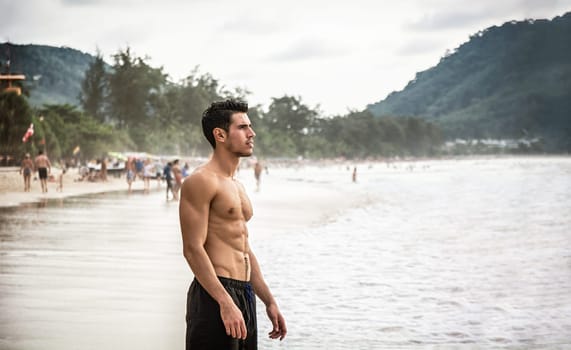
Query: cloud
(419, 47)
(309, 49)
(537, 4)
(10, 17)
(447, 20)
(252, 26)
(447, 15)
(81, 2)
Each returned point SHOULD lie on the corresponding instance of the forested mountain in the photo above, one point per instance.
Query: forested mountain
(53, 74)
(510, 81)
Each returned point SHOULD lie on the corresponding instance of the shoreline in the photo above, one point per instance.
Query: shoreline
(13, 195)
(282, 180)
(316, 202)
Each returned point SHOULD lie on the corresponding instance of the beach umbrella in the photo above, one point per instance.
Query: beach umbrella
(117, 155)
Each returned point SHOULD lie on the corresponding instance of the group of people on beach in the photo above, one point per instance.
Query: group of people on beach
(42, 165)
(174, 175)
(146, 170)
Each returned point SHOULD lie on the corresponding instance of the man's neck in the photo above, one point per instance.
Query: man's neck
(226, 163)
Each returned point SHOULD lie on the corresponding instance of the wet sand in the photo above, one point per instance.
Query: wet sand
(105, 271)
(12, 187)
(313, 202)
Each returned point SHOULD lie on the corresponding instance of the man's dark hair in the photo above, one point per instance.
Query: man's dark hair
(218, 116)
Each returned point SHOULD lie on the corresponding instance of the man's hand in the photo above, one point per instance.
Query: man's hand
(233, 320)
(278, 322)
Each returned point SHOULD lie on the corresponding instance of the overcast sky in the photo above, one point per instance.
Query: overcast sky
(339, 54)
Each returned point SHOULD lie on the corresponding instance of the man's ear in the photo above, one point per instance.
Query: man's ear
(219, 134)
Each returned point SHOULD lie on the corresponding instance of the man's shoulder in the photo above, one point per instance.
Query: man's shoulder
(201, 182)
(203, 173)
(202, 176)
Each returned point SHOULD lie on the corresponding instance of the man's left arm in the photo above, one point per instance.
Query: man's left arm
(263, 292)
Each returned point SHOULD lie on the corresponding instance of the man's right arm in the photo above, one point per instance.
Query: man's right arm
(197, 193)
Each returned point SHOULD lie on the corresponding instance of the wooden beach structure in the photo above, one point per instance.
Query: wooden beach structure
(6, 81)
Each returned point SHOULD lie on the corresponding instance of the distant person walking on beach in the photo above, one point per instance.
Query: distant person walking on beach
(354, 177)
(214, 209)
(258, 174)
(59, 187)
(177, 173)
(130, 168)
(148, 171)
(103, 171)
(185, 170)
(26, 169)
(44, 167)
(167, 174)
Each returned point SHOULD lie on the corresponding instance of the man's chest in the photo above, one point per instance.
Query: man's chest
(231, 202)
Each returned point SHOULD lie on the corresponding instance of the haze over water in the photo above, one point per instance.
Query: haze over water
(471, 253)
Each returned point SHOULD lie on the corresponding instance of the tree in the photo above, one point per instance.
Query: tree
(134, 89)
(94, 89)
(288, 115)
(64, 127)
(15, 118)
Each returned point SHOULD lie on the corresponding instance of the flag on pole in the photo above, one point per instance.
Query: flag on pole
(28, 133)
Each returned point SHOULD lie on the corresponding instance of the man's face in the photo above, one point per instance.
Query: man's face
(241, 135)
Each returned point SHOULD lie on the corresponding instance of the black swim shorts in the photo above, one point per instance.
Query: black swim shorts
(204, 327)
(43, 172)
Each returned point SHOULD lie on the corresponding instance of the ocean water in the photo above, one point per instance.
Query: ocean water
(441, 254)
(436, 254)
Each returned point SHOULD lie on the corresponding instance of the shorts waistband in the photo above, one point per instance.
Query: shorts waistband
(230, 282)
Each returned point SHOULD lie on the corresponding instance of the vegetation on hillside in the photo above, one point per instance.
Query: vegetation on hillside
(53, 74)
(512, 81)
(132, 106)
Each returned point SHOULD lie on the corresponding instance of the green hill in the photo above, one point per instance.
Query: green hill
(510, 81)
(53, 74)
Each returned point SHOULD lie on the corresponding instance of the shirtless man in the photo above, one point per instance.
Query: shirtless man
(44, 167)
(26, 169)
(214, 209)
(177, 173)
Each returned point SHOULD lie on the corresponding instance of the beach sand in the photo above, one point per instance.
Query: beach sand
(12, 187)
